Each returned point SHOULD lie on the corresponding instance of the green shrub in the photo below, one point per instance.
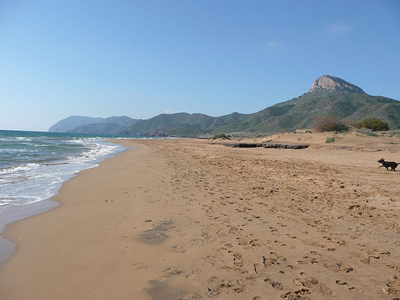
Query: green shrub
(221, 136)
(329, 123)
(374, 124)
(394, 133)
(330, 140)
(371, 134)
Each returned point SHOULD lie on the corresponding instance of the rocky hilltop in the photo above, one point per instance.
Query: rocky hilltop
(334, 84)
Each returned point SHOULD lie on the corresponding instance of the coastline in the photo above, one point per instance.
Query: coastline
(13, 213)
(190, 219)
(74, 222)
(10, 214)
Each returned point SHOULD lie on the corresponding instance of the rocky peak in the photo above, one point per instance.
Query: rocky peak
(334, 84)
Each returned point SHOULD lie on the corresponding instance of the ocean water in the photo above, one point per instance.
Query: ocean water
(34, 165)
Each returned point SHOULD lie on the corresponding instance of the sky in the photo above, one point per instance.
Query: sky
(144, 58)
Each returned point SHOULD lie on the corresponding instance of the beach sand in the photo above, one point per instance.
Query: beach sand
(194, 219)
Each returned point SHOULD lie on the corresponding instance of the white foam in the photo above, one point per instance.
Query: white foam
(33, 182)
(22, 168)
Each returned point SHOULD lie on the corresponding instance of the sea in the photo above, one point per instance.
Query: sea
(34, 165)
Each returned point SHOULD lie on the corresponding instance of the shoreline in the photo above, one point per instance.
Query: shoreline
(25, 234)
(190, 219)
(14, 213)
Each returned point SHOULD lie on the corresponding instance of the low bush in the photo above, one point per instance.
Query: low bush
(374, 124)
(329, 123)
(371, 134)
(221, 136)
(394, 133)
(330, 140)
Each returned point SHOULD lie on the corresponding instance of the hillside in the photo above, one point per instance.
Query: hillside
(72, 122)
(300, 112)
(328, 95)
(182, 124)
(89, 125)
(107, 126)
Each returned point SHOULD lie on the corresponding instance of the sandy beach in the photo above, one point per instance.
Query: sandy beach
(195, 219)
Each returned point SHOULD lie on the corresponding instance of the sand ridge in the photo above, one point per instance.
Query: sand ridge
(193, 219)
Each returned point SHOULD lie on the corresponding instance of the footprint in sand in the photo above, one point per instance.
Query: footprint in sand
(196, 269)
(275, 284)
(392, 287)
(341, 282)
(179, 249)
(162, 290)
(299, 294)
(312, 283)
(173, 272)
(338, 267)
(238, 260)
(273, 229)
(198, 242)
(140, 266)
(307, 259)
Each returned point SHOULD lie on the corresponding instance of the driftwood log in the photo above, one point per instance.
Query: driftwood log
(268, 145)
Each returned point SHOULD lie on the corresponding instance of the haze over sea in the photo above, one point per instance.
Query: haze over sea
(33, 165)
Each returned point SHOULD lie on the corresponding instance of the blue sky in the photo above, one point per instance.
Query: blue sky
(143, 58)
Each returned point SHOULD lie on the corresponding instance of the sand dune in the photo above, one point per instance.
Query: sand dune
(194, 219)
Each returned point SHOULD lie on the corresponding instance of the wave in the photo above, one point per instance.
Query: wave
(22, 168)
(41, 175)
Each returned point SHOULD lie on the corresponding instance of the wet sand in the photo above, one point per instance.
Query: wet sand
(193, 219)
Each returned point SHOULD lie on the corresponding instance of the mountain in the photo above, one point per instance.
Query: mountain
(331, 84)
(89, 125)
(328, 95)
(182, 124)
(73, 122)
(107, 126)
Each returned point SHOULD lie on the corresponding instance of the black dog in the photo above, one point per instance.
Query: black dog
(387, 164)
